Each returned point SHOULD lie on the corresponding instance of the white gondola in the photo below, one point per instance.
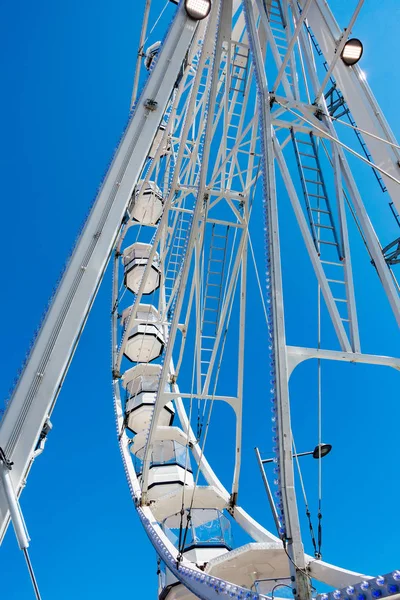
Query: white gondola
(208, 536)
(169, 470)
(146, 204)
(135, 259)
(200, 98)
(157, 141)
(141, 384)
(145, 340)
(208, 533)
(151, 54)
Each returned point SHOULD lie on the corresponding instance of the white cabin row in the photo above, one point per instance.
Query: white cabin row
(208, 530)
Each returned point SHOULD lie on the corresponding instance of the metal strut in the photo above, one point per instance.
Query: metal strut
(17, 518)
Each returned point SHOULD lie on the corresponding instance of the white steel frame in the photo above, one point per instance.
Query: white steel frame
(195, 110)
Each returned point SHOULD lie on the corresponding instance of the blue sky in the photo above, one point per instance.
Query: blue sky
(67, 73)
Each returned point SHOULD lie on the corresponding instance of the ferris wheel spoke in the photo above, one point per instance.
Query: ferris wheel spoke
(289, 515)
(186, 267)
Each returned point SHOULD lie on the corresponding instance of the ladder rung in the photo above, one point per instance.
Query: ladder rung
(329, 262)
(317, 196)
(319, 210)
(303, 142)
(336, 281)
(345, 320)
(327, 243)
(339, 300)
(305, 154)
(323, 226)
(313, 181)
(309, 168)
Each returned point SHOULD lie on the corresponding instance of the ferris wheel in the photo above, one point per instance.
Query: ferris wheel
(247, 115)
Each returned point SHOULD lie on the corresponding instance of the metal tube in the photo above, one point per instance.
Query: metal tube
(267, 488)
(269, 460)
(140, 52)
(13, 507)
(32, 574)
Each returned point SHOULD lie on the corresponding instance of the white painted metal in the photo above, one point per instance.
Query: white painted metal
(295, 546)
(207, 146)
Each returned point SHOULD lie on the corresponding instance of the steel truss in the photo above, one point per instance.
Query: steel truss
(230, 103)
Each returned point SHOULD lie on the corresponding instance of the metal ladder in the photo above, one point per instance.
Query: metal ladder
(183, 220)
(239, 75)
(320, 217)
(315, 192)
(212, 295)
(240, 67)
(182, 229)
(278, 26)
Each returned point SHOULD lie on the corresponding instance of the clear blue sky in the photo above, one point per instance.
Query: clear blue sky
(67, 71)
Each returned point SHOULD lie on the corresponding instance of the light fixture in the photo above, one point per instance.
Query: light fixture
(321, 450)
(352, 52)
(198, 9)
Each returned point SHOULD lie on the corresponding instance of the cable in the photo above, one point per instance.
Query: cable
(308, 514)
(355, 128)
(277, 586)
(32, 574)
(155, 24)
(293, 563)
(258, 282)
(337, 141)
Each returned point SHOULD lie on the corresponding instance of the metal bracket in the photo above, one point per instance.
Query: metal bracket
(391, 252)
(150, 104)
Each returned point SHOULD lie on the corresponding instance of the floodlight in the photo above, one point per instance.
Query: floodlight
(352, 52)
(198, 9)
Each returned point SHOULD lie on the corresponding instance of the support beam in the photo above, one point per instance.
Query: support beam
(292, 534)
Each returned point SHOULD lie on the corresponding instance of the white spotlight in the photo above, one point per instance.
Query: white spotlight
(198, 9)
(352, 52)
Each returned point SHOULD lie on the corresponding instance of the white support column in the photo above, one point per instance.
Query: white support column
(301, 585)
